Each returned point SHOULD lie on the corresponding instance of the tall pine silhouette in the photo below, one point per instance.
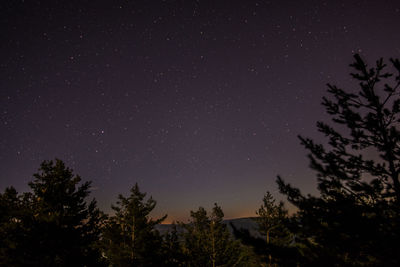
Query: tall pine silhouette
(53, 225)
(207, 241)
(355, 221)
(129, 237)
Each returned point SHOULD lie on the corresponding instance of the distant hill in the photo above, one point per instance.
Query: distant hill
(247, 223)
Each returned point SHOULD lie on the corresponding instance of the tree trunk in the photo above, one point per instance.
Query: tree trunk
(133, 239)
(269, 254)
(213, 245)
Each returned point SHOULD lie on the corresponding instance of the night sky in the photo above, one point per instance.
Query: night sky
(197, 101)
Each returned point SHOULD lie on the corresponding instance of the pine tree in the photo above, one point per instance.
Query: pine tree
(272, 219)
(66, 227)
(13, 226)
(129, 237)
(355, 220)
(274, 246)
(173, 248)
(53, 225)
(208, 241)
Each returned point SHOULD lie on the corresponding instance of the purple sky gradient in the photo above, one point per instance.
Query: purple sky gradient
(197, 101)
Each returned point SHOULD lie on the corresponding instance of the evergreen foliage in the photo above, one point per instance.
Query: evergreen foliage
(276, 247)
(355, 221)
(174, 248)
(53, 225)
(129, 237)
(14, 225)
(207, 241)
(272, 219)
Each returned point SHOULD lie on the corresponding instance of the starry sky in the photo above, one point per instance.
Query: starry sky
(196, 101)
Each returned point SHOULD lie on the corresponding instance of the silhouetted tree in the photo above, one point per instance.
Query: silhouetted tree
(209, 243)
(53, 225)
(355, 221)
(173, 248)
(276, 245)
(129, 237)
(272, 219)
(14, 218)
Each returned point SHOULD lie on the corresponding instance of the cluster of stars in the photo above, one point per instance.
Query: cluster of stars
(179, 96)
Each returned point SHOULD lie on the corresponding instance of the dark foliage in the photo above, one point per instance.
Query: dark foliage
(355, 220)
(207, 241)
(282, 255)
(129, 237)
(174, 248)
(53, 225)
(15, 218)
(277, 246)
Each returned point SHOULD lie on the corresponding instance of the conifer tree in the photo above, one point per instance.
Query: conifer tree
(173, 248)
(274, 244)
(66, 227)
(272, 219)
(208, 241)
(355, 221)
(129, 237)
(13, 225)
(53, 225)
